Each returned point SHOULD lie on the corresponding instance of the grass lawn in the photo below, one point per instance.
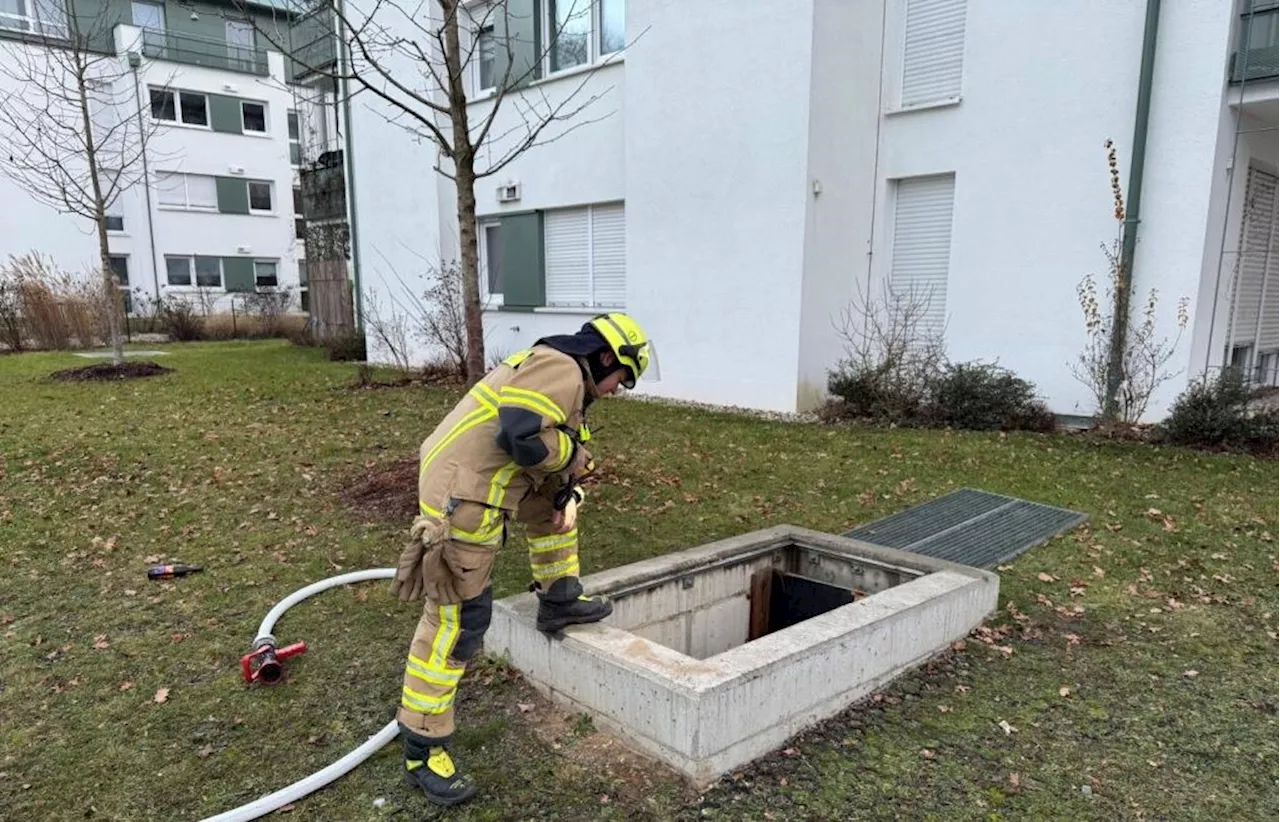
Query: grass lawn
(1135, 659)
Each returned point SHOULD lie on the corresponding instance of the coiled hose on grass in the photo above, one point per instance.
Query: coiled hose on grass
(271, 802)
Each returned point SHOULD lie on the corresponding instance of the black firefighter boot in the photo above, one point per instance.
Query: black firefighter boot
(429, 767)
(564, 604)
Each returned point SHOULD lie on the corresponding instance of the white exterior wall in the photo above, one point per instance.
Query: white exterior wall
(759, 194)
(716, 156)
(72, 241)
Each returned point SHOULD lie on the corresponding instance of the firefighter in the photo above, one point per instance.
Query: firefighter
(515, 447)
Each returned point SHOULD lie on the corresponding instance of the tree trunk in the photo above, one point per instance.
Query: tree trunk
(470, 271)
(111, 303)
(465, 183)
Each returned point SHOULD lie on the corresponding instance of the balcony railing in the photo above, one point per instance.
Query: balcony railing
(203, 51)
(313, 44)
(1258, 54)
(324, 188)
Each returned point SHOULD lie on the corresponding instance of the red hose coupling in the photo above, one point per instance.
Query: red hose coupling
(262, 664)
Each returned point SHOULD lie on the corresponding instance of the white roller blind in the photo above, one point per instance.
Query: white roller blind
(568, 257)
(171, 189)
(922, 243)
(609, 255)
(202, 191)
(586, 256)
(1255, 313)
(933, 50)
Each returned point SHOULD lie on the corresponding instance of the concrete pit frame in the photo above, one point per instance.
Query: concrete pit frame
(716, 655)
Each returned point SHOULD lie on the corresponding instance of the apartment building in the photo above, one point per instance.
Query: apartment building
(745, 169)
(234, 123)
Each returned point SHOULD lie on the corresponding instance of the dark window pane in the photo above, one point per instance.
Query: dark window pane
(255, 116)
(570, 33)
(178, 270)
(162, 104)
(126, 297)
(115, 223)
(295, 154)
(613, 25)
(493, 257)
(120, 267)
(208, 272)
(293, 125)
(264, 275)
(304, 300)
(297, 200)
(300, 228)
(487, 49)
(194, 110)
(302, 273)
(260, 196)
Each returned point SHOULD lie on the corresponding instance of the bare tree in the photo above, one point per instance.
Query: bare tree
(416, 58)
(72, 124)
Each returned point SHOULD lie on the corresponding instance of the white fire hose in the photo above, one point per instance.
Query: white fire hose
(316, 781)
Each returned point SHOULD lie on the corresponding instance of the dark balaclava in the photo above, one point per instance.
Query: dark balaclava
(587, 346)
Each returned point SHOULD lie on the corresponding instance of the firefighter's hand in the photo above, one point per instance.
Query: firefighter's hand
(566, 520)
(580, 465)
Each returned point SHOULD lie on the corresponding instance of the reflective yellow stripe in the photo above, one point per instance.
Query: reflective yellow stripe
(468, 422)
(542, 545)
(532, 400)
(491, 536)
(425, 703)
(584, 433)
(429, 511)
(447, 678)
(520, 356)
(566, 451)
(565, 568)
(484, 395)
(445, 638)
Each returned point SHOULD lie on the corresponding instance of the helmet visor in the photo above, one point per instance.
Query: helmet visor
(646, 355)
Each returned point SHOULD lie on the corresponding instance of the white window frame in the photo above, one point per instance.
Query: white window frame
(271, 193)
(593, 304)
(186, 193)
(177, 108)
(193, 281)
(594, 52)
(265, 261)
(35, 19)
(266, 118)
(490, 299)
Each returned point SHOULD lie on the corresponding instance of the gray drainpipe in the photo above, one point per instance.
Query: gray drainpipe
(1120, 316)
(135, 60)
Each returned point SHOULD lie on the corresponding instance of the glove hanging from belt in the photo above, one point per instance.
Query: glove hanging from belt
(427, 536)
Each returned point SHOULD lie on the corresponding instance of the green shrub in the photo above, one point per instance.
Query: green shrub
(348, 347)
(1215, 414)
(873, 394)
(983, 397)
(178, 319)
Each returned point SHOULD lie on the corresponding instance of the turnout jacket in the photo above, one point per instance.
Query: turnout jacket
(521, 424)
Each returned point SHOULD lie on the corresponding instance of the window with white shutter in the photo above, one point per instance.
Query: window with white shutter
(932, 51)
(586, 256)
(922, 244)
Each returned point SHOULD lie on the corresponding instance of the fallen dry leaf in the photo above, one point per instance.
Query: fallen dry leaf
(1098, 572)
(1015, 781)
(1191, 674)
(946, 709)
(1043, 577)
(791, 752)
(1064, 691)
(100, 642)
(524, 707)
(162, 695)
(958, 645)
(1006, 727)
(927, 754)
(126, 685)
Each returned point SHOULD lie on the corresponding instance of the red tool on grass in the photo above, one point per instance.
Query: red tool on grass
(268, 669)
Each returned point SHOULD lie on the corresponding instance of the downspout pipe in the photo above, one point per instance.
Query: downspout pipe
(1132, 218)
(348, 163)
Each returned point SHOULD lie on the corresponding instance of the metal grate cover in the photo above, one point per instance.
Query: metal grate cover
(970, 527)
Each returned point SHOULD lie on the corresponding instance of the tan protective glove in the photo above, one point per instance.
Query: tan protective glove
(426, 536)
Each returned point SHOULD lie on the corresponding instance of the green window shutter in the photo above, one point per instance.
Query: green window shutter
(237, 274)
(516, 24)
(233, 195)
(224, 113)
(524, 282)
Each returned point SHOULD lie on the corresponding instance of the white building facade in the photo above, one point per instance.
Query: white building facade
(735, 192)
(215, 213)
